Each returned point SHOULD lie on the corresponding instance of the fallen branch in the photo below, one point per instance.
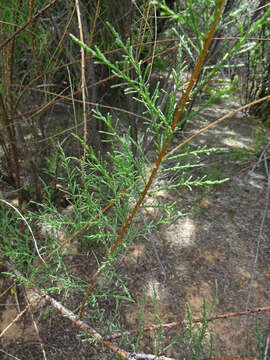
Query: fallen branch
(150, 357)
(71, 316)
(85, 327)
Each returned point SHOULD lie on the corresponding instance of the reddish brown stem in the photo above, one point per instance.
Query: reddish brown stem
(183, 323)
(161, 154)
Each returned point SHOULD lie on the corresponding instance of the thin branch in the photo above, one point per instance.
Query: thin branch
(13, 145)
(86, 328)
(14, 320)
(31, 33)
(67, 314)
(214, 123)
(183, 323)
(7, 290)
(94, 25)
(27, 23)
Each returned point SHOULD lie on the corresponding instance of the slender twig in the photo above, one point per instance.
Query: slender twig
(14, 320)
(60, 45)
(10, 62)
(146, 23)
(214, 123)
(26, 24)
(73, 102)
(94, 25)
(7, 290)
(262, 155)
(9, 355)
(16, 299)
(184, 323)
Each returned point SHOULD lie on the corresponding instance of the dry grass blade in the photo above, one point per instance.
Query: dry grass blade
(83, 82)
(29, 227)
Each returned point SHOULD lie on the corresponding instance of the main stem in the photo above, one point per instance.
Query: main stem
(161, 154)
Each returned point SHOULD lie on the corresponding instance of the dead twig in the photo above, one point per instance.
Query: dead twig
(9, 355)
(14, 320)
(183, 323)
(36, 328)
(86, 328)
(150, 357)
(68, 314)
